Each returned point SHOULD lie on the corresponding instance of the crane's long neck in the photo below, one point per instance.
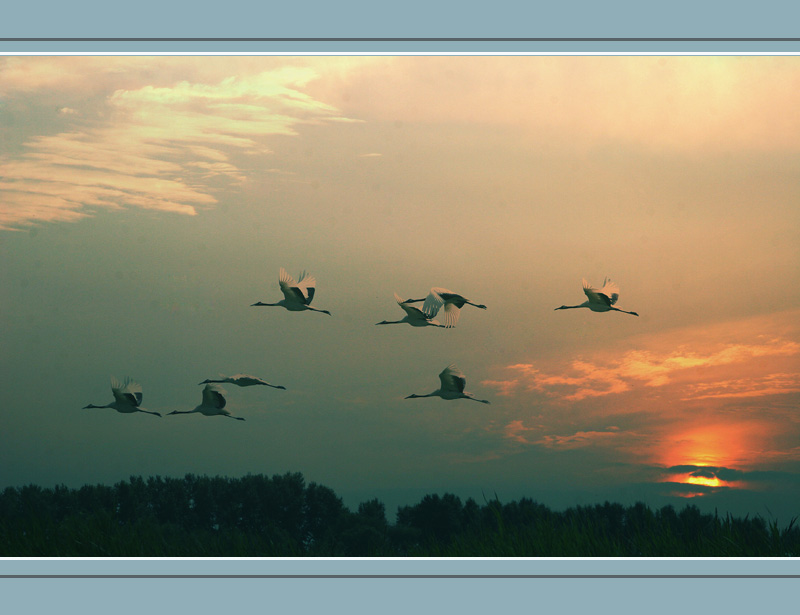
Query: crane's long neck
(238, 418)
(390, 322)
(183, 411)
(93, 406)
(149, 412)
(468, 396)
(477, 305)
(415, 396)
(572, 307)
(414, 301)
(262, 304)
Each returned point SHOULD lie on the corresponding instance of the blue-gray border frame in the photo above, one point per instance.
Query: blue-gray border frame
(386, 585)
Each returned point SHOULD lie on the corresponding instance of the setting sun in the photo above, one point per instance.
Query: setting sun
(702, 480)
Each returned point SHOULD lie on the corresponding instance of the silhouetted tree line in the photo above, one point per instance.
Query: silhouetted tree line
(258, 516)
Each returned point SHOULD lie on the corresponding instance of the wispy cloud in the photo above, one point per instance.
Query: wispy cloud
(771, 384)
(157, 148)
(697, 369)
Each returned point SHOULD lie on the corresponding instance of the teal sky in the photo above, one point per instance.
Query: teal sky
(147, 202)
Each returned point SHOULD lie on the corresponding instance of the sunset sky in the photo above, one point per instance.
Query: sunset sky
(147, 202)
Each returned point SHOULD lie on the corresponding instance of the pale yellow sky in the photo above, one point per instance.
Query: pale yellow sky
(147, 202)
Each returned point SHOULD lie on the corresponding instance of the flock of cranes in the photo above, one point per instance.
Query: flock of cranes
(298, 296)
(128, 396)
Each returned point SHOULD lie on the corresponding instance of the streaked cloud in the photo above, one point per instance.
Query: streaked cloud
(771, 384)
(698, 370)
(160, 148)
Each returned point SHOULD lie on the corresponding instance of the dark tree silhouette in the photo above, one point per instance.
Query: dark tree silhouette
(282, 516)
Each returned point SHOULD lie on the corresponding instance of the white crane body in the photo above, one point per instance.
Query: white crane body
(213, 403)
(452, 386)
(414, 316)
(600, 299)
(297, 296)
(127, 397)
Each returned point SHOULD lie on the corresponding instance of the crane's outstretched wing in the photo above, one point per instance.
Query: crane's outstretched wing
(610, 290)
(597, 295)
(451, 314)
(307, 285)
(412, 311)
(289, 288)
(244, 380)
(453, 379)
(433, 302)
(448, 296)
(452, 302)
(301, 291)
(213, 395)
(128, 392)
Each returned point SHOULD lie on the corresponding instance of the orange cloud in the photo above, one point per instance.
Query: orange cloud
(516, 430)
(504, 387)
(703, 368)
